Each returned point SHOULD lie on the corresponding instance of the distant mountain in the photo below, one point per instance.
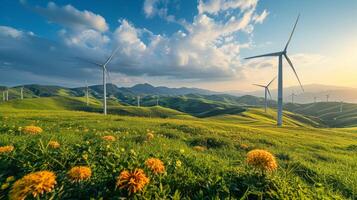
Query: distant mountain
(336, 93)
(161, 90)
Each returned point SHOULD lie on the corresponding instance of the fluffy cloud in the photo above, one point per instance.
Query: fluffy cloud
(70, 17)
(206, 49)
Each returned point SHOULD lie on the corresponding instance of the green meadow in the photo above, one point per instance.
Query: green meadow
(314, 162)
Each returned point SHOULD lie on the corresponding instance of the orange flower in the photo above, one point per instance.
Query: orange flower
(262, 160)
(6, 149)
(34, 184)
(132, 181)
(53, 144)
(109, 138)
(32, 130)
(79, 173)
(199, 148)
(156, 165)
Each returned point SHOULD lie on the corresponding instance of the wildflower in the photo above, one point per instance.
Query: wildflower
(178, 163)
(85, 156)
(262, 160)
(199, 148)
(109, 138)
(244, 146)
(156, 165)
(149, 136)
(5, 186)
(132, 181)
(10, 179)
(32, 130)
(79, 173)
(34, 184)
(6, 149)
(53, 144)
(182, 150)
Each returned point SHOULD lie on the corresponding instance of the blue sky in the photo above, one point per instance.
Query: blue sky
(176, 43)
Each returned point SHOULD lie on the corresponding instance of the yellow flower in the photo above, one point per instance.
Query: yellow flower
(10, 179)
(132, 181)
(53, 144)
(109, 138)
(156, 165)
(32, 130)
(262, 160)
(199, 148)
(149, 136)
(5, 186)
(178, 163)
(79, 173)
(244, 146)
(34, 184)
(6, 149)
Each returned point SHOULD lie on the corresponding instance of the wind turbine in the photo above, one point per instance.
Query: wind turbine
(3, 96)
(293, 95)
(22, 92)
(105, 72)
(138, 101)
(280, 55)
(87, 94)
(341, 107)
(266, 92)
(327, 97)
(157, 101)
(7, 94)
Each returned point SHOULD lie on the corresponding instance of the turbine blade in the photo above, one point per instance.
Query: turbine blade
(271, 81)
(259, 85)
(292, 32)
(292, 67)
(110, 57)
(268, 92)
(265, 55)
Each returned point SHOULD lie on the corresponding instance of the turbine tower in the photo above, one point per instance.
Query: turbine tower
(3, 96)
(138, 101)
(341, 107)
(7, 94)
(87, 94)
(22, 92)
(327, 97)
(266, 92)
(157, 101)
(280, 55)
(293, 95)
(105, 72)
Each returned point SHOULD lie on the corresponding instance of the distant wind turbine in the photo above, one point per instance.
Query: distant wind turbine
(327, 97)
(138, 101)
(22, 92)
(105, 72)
(87, 94)
(7, 94)
(266, 92)
(3, 96)
(341, 107)
(293, 95)
(157, 101)
(280, 73)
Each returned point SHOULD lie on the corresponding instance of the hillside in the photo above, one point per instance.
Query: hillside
(328, 112)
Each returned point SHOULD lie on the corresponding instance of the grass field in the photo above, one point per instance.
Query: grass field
(314, 163)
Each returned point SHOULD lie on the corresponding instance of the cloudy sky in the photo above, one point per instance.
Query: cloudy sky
(198, 43)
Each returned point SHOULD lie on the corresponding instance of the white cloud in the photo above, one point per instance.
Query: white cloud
(217, 6)
(150, 7)
(9, 31)
(260, 18)
(73, 18)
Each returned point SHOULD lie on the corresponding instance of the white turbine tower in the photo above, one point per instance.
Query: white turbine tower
(87, 94)
(138, 101)
(266, 92)
(3, 96)
(22, 92)
(7, 94)
(280, 55)
(105, 72)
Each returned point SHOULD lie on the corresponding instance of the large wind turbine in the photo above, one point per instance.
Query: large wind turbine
(266, 92)
(105, 71)
(280, 55)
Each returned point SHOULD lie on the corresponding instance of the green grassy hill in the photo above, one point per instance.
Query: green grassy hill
(328, 112)
(314, 163)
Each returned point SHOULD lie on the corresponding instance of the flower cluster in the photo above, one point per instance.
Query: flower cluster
(149, 134)
(54, 144)
(132, 181)
(32, 130)
(155, 165)
(109, 138)
(262, 160)
(79, 173)
(34, 184)
(6, 149)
